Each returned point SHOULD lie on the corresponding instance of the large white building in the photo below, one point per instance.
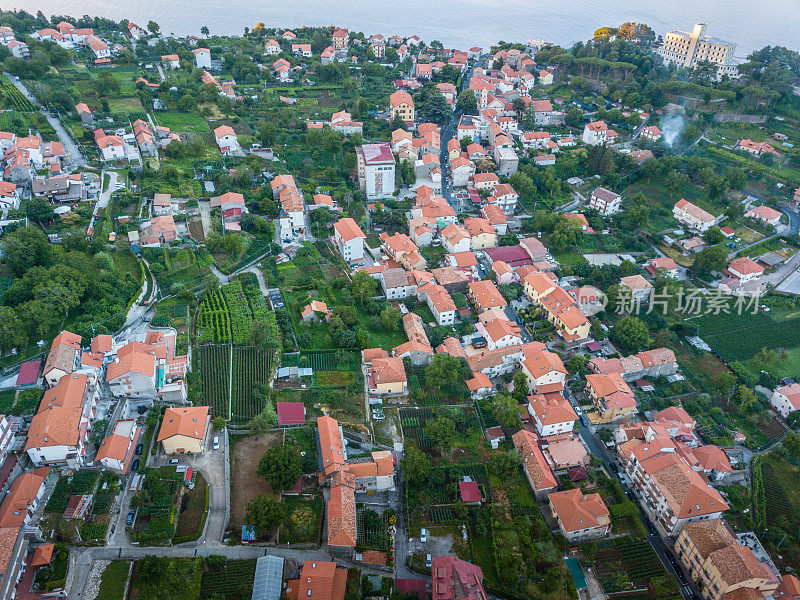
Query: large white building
(689, 49)
(605, 201)
(375, 170)
(349, 239)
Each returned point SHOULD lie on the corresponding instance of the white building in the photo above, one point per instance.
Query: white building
(375, 170)
(786, 399)
(689, 49)
(349, 239)
(202, 58)
(693, 216)
(226, 140)
(552, 413)
(605, 201)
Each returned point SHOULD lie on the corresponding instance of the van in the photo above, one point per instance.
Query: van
(215, 444)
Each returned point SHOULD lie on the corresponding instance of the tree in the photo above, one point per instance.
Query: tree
(713, 235)
(12, 329)
(573, 117)
(708, 260)
(280, 466)
(442, 432)
(363, 287)
(390, 318)
(445, 370)
(264, 421)
(467, 103)
(259, 334)
(264, 513)
(506, 410)
(204, 31)
(39, 210)
(26, 247)
(219, 423)
(435, 109)
(153, 27)
(416, 465)
(631, 334)
(518, 106)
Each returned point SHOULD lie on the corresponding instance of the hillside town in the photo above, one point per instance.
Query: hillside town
(318, 313)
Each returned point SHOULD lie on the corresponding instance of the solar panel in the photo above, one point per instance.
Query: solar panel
(268, 582)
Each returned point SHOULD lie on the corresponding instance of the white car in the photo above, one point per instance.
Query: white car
(423, 535)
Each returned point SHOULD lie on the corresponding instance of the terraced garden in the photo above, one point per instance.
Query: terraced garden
(214, 324)
(627, 565)
(250, 366)
(215, 378)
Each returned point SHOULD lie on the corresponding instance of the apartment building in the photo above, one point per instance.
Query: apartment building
(375, 164)
(688, 49)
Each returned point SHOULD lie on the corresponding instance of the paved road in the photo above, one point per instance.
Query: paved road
(792, 214)
(75, 156)
(104, 197)
(262, 281)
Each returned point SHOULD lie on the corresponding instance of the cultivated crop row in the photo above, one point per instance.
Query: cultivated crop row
(214, 323)
(215, 378)
(239, 310)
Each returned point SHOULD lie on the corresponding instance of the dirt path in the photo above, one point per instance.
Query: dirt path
(245, 483)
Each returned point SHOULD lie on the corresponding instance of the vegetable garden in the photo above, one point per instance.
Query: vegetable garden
(250, 366)
(215, 378)
(15, 97)
(625, 564)
(214, 324)
(241, 319)
(233, 581)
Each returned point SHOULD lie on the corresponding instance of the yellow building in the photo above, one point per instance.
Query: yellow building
(720, 564)
(402, 105)
(561, 309)
(184, 429)
(388, 376)
(481, 232)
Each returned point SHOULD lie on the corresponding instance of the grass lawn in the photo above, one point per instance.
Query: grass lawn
(114, 580)
(125, 105)
(194, 510)
(779, 364)
(663, 199)
(183, 122)
(568, 258)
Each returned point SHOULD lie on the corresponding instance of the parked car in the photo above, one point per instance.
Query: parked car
(138, 450)
(129, 519)
(135, 464)
(215, 444)
(428, 561)
(174, 461)
(423, 535)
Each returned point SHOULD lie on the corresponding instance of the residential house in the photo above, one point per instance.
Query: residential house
(723, 567)
(59, 430)
(375, 167)
(231, 207)
(499, 333)
(63, 358)
(455, 239)
(637, 287)
(272, 47)
(315, 311)
(418, 348)
(387, 376)
(662, 264)
(340, 39)
(538, 473)
(116, 450)
(596, 133)
(302, 50)
(482, 234)
(349, 239)
(659, 362)
(133, 373)
(184, 429)
(461, 171)
(496, 217)
(162, 204)
(505, 197)
(484, 295)
(456, 579)
(552, 413)
(319, 580)
(84, 113)
(158, 231)
(145, 139)
(765, 214)
(745, 269)
(111, 146)
(611, 396)
(652, 133)
(693, 216)
(786, 399)
(170, 61)
(544, 369)
(226, 140)
(580, 516)
(9, 195)
(756, 148)
(402, 105)
(202, 58)
(439, 301)
(398, 284)
(605, 201)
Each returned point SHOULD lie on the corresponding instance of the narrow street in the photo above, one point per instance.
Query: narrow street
(76, 159)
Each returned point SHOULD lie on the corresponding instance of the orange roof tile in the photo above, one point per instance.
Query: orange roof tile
(188, 421)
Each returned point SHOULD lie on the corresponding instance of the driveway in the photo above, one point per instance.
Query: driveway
(76, 159)
(213, 464)
(205, 216)
(104, 197)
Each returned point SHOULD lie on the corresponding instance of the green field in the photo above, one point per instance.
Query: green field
(125, 105)
(114, 580)
(182, 122)
(739, 337)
